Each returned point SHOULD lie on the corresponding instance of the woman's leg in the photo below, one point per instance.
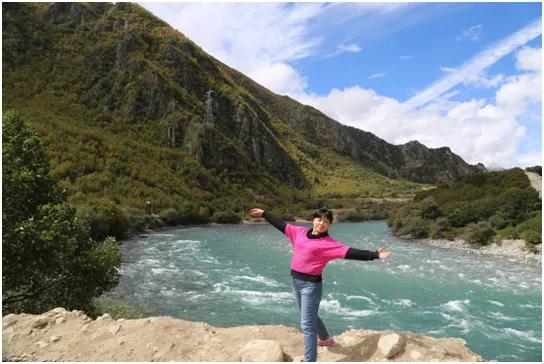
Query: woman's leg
(322, 331)
(310, 296)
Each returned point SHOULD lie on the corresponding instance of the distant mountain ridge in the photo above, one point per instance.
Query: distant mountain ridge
(117, 69)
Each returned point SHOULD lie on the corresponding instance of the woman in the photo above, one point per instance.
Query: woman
(314, 248)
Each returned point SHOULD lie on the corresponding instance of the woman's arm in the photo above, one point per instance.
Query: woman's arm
(273, 220)
(359, 254)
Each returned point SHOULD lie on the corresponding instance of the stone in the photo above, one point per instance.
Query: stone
(9, 320)
(115, 329)
(41, 344)
(415, 355)
(40, 322)
(59, 310)
(104, 317)
(262, 350)
(391, 344)
(59, 320)
(84, 328)
(54, 339)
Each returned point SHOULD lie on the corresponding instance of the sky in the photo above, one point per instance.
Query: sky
(463, 75)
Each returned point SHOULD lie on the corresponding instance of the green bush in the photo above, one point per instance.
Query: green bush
(532, 237)
(480, 233)
(169, 216)
(226, 217)
(429, 209)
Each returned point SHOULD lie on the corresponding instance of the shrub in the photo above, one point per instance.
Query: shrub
(169, 216)
(479, 233)
(429, 209)
(532, 237)
(226, 217)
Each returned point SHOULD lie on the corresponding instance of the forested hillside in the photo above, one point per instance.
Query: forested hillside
(143, 128)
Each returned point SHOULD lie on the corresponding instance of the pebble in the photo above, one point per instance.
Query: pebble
(41, 344)
(54, 339)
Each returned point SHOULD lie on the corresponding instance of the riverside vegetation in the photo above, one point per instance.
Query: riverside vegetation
(482, 208)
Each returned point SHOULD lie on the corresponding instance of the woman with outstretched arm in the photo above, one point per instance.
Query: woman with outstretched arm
(313, 249)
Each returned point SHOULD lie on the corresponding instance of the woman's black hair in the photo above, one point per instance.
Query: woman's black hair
(323, 212)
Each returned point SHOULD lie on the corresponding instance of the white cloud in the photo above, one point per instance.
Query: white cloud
(471, 69)
(377, 75)
(352, 48)
(487, 131)
(404, 58)
(471, 34)
(529, 59)
(260, 41)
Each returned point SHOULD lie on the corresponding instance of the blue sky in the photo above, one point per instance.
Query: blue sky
(462, 75)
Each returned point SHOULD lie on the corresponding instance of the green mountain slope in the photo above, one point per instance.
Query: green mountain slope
(119, 98)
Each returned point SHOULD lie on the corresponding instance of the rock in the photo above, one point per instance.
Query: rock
(262, 350)
(84, 328)
(414, 354)
(54, 339)
(59, 310)
(391, 344)
(9, 320)
(115, 329)
(60, 320)
(41, 344)
(104, 317)
(40, 322)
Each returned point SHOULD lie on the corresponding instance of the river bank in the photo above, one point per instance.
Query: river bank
(60, 335)
(516, 249)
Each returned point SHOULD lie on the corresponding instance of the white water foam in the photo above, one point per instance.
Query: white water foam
(334, 307)
(259, 279)
(500, 316)
(254, 297)
(403, 302)
(525, 335)
(496, 303)
(456, 306)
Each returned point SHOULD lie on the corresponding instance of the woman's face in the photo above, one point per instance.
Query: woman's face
(321, 224)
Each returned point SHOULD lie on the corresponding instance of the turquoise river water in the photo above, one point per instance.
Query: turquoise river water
(239, 274)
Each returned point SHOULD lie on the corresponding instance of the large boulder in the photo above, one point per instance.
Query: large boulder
(262, 350)
(391, 344)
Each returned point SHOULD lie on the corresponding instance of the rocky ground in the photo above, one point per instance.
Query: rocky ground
(60, 335)
(512, 248)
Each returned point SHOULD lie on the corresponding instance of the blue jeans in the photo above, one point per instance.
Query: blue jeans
(308, 297)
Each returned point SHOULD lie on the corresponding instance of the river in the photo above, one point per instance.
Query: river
(239, 274)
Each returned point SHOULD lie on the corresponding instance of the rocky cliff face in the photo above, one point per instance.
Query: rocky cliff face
(122, 63)
(60, 335)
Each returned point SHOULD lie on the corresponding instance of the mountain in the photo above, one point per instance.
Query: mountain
(135, 114)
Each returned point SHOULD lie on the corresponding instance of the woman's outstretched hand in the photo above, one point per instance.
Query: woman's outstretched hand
(383, 254)
(256, 213)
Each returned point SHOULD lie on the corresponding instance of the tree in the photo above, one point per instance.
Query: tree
(49, 258)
